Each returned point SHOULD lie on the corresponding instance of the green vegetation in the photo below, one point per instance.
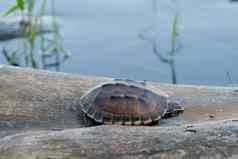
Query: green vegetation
(175, 46)
(51, 46)
(174, 49)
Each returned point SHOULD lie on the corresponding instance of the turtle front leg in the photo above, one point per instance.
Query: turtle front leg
(174, 109)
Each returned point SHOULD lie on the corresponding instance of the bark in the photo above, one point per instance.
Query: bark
(32, 99)
(40, 99)
(213, 140)
(15, 27)
(45, 102)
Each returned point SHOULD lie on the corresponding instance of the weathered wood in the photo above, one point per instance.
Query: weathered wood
(16, 27)
(215, 140)
(40, 100)
(32, 99)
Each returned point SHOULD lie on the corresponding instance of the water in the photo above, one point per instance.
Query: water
(103, 38)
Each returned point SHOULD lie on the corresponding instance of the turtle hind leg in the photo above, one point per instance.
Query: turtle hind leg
(174, 109)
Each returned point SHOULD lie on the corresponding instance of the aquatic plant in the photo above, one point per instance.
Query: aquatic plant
(175, 46)
(51, 46)
(230, 80)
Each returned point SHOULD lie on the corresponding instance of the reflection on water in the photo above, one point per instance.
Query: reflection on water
(103, 38)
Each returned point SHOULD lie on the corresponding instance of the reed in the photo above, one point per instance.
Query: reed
(51, 53)
(168, 57)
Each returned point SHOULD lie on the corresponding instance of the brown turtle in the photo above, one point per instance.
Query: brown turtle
(126, 102)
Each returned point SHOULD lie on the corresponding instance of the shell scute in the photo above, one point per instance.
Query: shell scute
(122, 102)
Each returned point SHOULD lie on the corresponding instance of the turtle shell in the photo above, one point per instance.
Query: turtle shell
(123, 102)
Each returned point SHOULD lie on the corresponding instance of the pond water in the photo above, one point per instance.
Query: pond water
(103, 38)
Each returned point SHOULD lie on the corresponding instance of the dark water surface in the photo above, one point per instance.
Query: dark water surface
(103, 38)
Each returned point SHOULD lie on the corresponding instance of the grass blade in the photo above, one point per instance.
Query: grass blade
(11, 10)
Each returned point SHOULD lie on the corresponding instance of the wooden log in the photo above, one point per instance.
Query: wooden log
(16, 27)
(32, 100)
(41, 99)
(213, 140)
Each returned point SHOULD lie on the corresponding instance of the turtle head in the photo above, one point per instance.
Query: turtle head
(174, 109)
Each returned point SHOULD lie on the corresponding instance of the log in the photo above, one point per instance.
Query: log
(30, 98)
(213, 140)
(39, 120)
(42, 99)
(15, 27)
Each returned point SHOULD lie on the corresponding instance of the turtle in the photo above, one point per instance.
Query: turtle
(126, 102)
